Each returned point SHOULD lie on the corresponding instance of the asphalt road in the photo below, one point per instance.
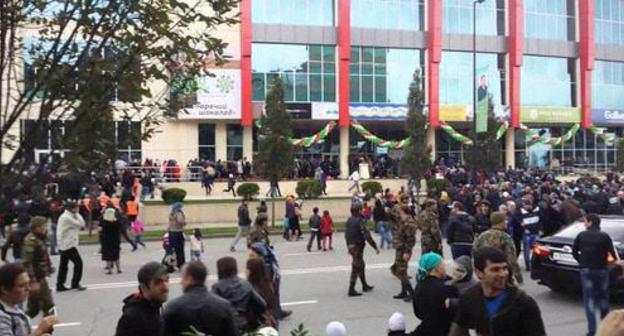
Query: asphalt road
(314, 286)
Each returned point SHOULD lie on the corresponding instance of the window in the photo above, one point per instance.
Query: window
(128, 140)
(548, 81)
(549, 19)
(308, 72)
(608, 85)
(388, 14)
(610, 22)
(234, 142)
(206, 142)
(382, 75)
(289, 12)
(456, 87)
(458, 17)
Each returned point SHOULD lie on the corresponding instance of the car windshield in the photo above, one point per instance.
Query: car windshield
(613, 227)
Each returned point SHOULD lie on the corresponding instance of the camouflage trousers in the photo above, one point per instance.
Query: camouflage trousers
(357, 264)
(41, 300)
(431, 243)
(399, 268)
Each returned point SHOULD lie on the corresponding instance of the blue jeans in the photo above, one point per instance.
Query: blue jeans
(595, 284)
(528, 240)
(385, 233)
(458, 250)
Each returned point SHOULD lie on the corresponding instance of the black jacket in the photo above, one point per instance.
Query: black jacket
(519, 315)
(201, 309)
(356, 232)
(243, 216)
(140, 317)
(379, 212)
(460, 228)
(482, 223)
(591, 248)
(430, 307)
(247, 303)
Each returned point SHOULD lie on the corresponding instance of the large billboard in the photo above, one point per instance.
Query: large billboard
(214, 97)
(608, 116)
(550, 114)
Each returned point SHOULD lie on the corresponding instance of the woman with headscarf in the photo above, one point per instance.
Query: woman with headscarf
(111, 238)
(177, 222)
(432, 297)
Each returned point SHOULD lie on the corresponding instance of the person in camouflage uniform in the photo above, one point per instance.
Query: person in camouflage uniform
(431, 238)
(395, 214)
(356, 236)
(497, 237)
(36, 261)
(260, 231)
(404, 242)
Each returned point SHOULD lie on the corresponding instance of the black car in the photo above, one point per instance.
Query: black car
(553, 264)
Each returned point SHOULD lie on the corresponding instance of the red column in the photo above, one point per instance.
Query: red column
(434, 46)
(516, 50)
(344, 58)
(587, 55)
(246, 90)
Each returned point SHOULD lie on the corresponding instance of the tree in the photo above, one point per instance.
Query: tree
(417, 159)
(619, 163)
(275, 158)
(488, 148)
(81, 62)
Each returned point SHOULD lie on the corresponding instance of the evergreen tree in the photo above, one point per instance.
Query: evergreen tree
(275, 158)
(417, 159)
(488, 148)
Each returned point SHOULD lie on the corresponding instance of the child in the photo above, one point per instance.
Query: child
(327, 230)
(137, 229)
(169, 260)
(197, 245)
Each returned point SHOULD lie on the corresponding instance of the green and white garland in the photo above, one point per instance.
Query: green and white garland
(372, 138)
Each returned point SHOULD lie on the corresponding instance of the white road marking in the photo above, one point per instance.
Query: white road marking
(64, 325)
(286, 272)
(302, 254)
(298, 303)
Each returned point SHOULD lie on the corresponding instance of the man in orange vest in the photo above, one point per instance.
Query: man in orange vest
(132, 209)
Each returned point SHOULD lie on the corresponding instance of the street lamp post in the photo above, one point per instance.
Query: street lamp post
(475, 152)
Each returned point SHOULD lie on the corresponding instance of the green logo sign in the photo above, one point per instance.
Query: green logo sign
(550, 114)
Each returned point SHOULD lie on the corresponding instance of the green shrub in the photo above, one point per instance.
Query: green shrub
(173, 195)
(437, 185)
(248, 190)
(372, 187)
(308, 188)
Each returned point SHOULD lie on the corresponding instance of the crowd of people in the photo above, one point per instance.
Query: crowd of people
(487, 226)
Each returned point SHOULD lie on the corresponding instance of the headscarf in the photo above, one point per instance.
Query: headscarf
(176, 207)
(427, 263)
(336, 329)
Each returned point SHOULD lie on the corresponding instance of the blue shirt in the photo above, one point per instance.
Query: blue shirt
(494, 304)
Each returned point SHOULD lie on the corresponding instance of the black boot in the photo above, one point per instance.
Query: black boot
(403, 293)
(410, 292)
(365, 286)
(352, 292)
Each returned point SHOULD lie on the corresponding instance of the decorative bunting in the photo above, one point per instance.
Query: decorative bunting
(316, 138)
(535, 137)
(502, 129)
(601, 132)
(370, 137)
(456, 135)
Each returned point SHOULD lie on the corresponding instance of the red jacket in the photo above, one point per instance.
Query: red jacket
(327, 225)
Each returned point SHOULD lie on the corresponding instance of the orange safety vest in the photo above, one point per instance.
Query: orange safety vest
(132, 208)
(115, 200)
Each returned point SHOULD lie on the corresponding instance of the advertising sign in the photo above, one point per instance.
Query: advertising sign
(299, 110)
(454, 113)
(325, 111)
(608, 116)
(215, 97)
(378, 111)
(482, 101)
(550, 114)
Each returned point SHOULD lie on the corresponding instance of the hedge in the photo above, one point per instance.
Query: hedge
(372, 188)
(248, 190)
(173, 195)
(308, 188)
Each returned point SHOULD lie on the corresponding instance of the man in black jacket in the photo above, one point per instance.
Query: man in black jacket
(356, 235)
(141, 311)
(460, 233)
(244, 222)
(494, 307)
(198, 310)
(592, 249)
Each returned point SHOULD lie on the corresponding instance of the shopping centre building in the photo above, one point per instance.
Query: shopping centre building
(548, 64)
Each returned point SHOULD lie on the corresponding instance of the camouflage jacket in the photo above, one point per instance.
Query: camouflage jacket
(405, 237)
(429, 226)
(258, 235)
(501, 240)
(35, 257)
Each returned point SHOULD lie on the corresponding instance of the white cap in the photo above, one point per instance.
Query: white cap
(267, 331)
(335, 329)
(396, 322)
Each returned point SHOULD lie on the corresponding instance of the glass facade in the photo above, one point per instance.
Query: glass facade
(548, 81)
(128, 136)
(608, 85)
(388, 14)
(610, 22)
(289, 12)
(234, 142)
(382, 75)
(458, 17)
(549, 19)
(455, 72)
(206, 142)
(308, 72)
